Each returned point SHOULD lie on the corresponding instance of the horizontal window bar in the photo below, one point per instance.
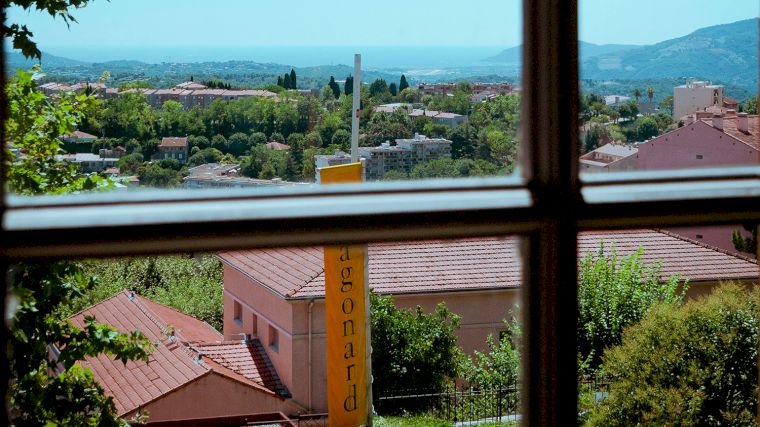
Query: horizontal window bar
(187, 221)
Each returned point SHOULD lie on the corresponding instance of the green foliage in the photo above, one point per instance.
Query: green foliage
(154, 175)
(614, 293)
(207, 155)
(342, 138)
(646, 128)
(450, 168)
(379, 89)
(191, 285)
(348, 87)
(690, 365)
(130, 164)
(409, 344)
(334, 87)
(497, 369)
(596, 137)
(749, 106)
(403, 84)
(32, 128)
(667, 104)
(293, 82)
(393, 89)
(257, 138)
(745, 243)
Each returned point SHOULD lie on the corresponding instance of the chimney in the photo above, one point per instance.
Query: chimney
(742, 122)
(717, 121)
(690, 119)
(730, 113)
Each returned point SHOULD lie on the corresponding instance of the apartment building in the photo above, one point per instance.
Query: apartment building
(695, 95)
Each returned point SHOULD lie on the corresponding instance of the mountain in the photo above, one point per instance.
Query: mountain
(15, 60)
(588, 50)
(723, 53)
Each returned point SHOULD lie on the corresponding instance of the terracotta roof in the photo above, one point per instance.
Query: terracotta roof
(173, 142)
(78, 134)
(729, 128)
(278, 146)
(474, 264)
(246, 358)
(173, 362)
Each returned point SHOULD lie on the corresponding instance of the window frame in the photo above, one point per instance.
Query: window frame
(549, 204)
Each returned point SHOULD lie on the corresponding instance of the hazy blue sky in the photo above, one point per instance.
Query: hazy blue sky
(376, 23)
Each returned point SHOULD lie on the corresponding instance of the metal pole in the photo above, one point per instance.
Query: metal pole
(357, 108)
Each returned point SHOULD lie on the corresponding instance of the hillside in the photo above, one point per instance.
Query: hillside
(722, 53)
(588, 50)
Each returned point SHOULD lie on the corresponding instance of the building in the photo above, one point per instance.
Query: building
(616, 100)
(277, 146)
(478, 89)
(210, 181)
(612, 157)
(89, 163)
(404, 156)
(78, 137)
(192, 372)
(706, 140)
(277, 295)
(173, 148)
(214, 169)
(695, 95)
(438, 117)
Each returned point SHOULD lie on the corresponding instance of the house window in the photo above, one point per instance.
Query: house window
(237, 312)
(699, 157)
(274, 339)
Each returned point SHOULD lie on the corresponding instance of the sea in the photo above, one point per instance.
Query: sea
(299, 56)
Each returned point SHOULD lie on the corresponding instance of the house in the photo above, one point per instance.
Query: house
(191, 373)
(78, 137)
(611, 157)
(173, 148)
(695, 95)
(708, 139)
(277, 146)
(403, 156)
(89, 163)
(277, 295)
(438, 117)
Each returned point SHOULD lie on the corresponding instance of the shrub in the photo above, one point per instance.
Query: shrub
(692, 364)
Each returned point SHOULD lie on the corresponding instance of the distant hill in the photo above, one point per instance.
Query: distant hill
(723, 53)
(15, 60)
(588, 50)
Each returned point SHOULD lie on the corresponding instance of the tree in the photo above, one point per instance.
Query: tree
(749, 106)
(614, 293)
(392, 89)
(334, 87)
(277, 136)
(411, 344)
(403, 84)
(348, 87)
(293, 84)
(219, 142)
(637, 94)
(45, 390)
(687, 365)
(378, 88)
(650, 93)
(280, 82)
(646, 127)
(596, 137)
(286, 81)
(745, 243)
(238, 144)
(294, 161)
(499, 368)
(342, 138)
(207, 155)
(257, 138)
(667, 104)
(408, 95)
(130, 164)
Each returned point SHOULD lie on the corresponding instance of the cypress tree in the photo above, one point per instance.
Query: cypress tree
(279, 81)
(403, 84)
(348, 88)
(286, 81)
(335, 87)
(293, 84)
(392, 89)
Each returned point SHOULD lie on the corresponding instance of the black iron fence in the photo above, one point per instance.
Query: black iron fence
(465, 405)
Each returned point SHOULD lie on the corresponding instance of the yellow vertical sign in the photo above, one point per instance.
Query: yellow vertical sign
(346, 305)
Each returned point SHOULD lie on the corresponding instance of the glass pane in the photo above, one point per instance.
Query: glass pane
(240, 108)
(246, 331)
(680, 95)
(654, 308)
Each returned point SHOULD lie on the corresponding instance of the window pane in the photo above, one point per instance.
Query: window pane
(255, 321)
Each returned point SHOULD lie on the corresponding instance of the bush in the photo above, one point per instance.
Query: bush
(410, 347)
(694, 364)
(614, 293)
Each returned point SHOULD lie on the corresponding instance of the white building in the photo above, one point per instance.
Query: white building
(694, 96)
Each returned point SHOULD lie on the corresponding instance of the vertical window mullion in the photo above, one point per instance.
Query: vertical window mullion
(549, 153)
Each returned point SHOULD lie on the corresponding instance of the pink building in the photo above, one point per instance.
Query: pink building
(729, 139)
(191, 374)
(277, 295)
(173, 148)
(610, 157)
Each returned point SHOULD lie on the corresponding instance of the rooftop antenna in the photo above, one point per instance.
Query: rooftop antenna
(356, 108)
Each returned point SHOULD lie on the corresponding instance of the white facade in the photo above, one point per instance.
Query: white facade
(695, 95)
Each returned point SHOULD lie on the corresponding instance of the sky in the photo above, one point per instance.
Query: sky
(233, 23)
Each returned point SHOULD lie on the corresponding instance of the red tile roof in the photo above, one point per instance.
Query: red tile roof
(78, 134)
(248, 359)
(475, 263)
(173, 142)
(730, 128)
(172, 364)
(278, 146)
